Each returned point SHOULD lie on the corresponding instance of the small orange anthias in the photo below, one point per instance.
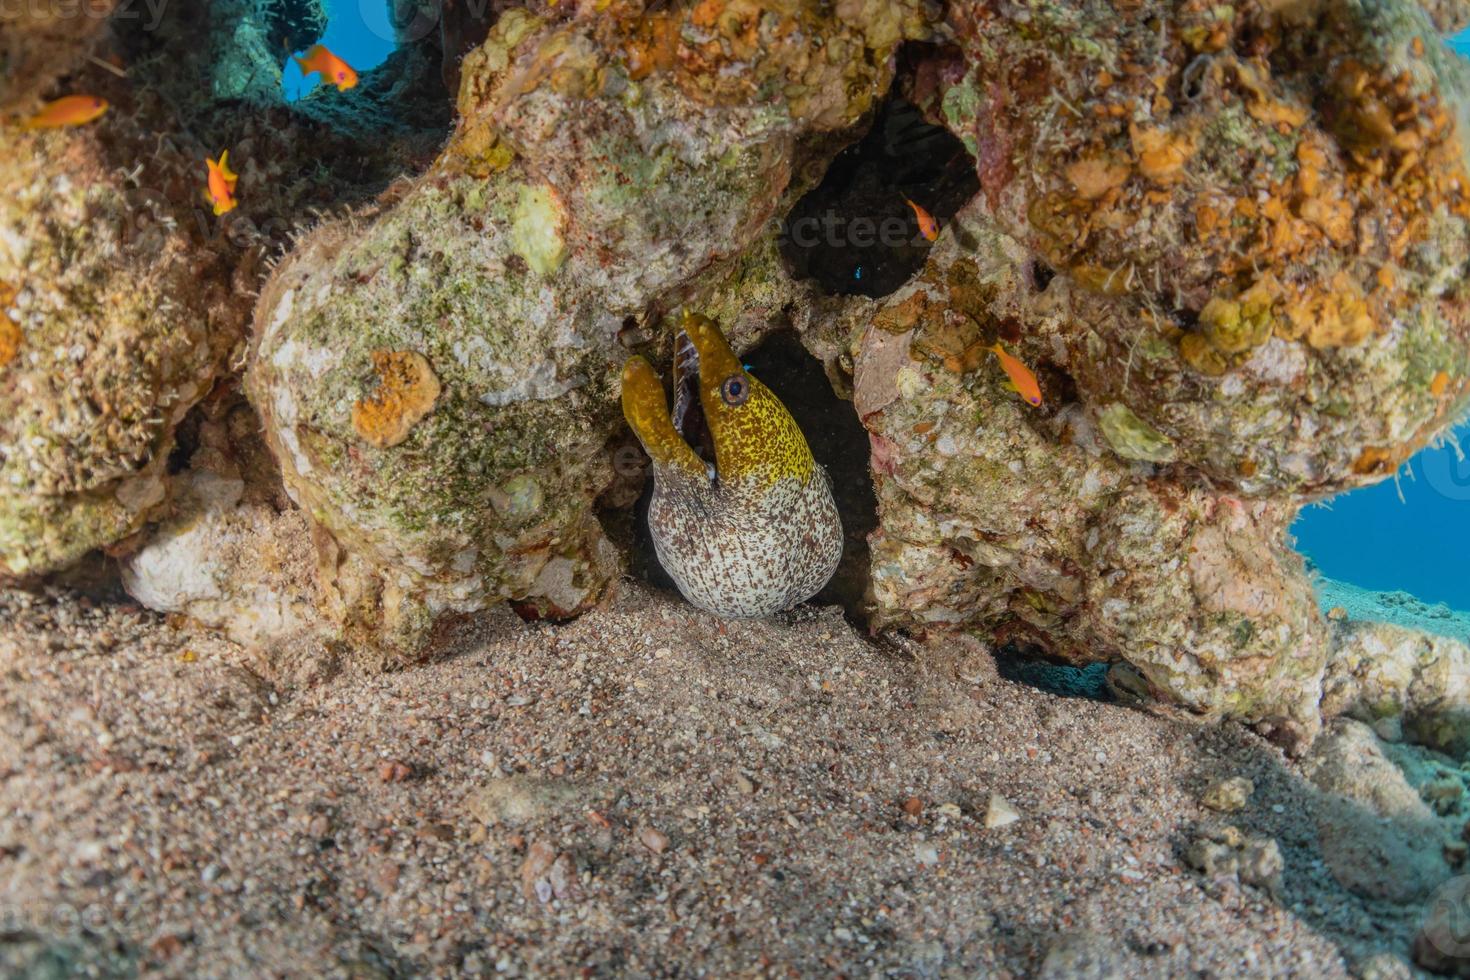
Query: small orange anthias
(220, 190)
(1021, 377)
(928, 227)
(334, 70)
(73, 110)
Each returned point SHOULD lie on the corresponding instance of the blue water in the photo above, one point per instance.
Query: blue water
(1419, 544)
(358, 31)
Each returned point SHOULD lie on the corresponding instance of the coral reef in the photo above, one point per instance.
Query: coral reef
(1405, 682)
(1262, 213)
(1226, 238)
(1229, 253)
(1051, 527)
(1448, 16)
(600, 167)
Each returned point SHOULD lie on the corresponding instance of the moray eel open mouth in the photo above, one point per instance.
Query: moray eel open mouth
(688, 415)
(742, 517)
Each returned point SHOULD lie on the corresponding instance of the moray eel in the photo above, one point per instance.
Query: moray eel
(755, 531)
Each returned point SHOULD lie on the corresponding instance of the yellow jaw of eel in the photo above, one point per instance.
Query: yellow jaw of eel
(755, 438)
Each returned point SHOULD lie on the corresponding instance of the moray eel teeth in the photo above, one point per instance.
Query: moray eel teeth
(749, 528)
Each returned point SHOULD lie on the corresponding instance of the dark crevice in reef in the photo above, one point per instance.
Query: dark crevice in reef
(840, 443)
(463, 26)
(837, 440)
(855, 233)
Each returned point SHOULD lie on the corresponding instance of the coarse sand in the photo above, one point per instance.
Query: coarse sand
(645, 791)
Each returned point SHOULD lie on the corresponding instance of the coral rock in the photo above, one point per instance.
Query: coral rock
(1225, 254)
(1056, 529)
(1263, 234)
(234, 554)
(115, 321)
(1379, 671)
(592, 181)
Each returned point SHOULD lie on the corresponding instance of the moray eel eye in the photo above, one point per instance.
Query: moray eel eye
(735, 390)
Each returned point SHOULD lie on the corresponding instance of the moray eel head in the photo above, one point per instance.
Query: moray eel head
(752, 436)
(741, 516)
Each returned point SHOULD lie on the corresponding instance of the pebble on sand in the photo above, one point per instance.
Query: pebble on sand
(999, 812)
(394, 771)
(1227, 851)
(655, 840)
(1229, 795)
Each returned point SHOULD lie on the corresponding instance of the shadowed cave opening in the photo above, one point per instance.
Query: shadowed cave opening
(837, 440)
(216, 72)
(855, 233)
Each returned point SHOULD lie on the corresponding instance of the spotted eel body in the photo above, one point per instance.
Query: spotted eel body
(756, 531)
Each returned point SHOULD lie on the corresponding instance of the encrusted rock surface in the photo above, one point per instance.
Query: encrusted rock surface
(117, 317)
(1412, 684)
(1031, 524)
(233, 552)
(1262, 215)
(1228, 253)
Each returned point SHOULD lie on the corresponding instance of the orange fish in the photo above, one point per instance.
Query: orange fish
(928, 227)
(1021, 377)
(1439, 384)
(222, 180)
(73, 110)
(334, 70)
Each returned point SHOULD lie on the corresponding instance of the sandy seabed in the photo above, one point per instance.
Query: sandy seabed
(643, 792)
